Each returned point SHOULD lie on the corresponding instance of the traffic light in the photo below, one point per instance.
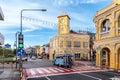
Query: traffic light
(20, 41)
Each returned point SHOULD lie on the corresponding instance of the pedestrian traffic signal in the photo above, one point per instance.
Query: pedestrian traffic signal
(20, 41)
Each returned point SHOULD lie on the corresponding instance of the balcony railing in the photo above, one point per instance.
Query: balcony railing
(105, 33)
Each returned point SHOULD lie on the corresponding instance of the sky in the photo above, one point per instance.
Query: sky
(39, 27)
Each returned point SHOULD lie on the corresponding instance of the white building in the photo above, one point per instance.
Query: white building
(1, 14)
(1, 36)
(1, 39)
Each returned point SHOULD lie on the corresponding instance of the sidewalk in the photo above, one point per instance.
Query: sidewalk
(8, 72)
(84, 63)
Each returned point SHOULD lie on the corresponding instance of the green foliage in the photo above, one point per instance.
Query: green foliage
(14, 51)
(6, 52)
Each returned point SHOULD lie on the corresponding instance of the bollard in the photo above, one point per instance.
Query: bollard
(21, 76)
(19, 65)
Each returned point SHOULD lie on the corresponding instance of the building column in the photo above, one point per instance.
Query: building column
(116, 30)
(98, 58)
(116, 62)
(107, 60)
(112, 56)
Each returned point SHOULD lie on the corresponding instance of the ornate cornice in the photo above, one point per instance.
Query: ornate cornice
(114, 39)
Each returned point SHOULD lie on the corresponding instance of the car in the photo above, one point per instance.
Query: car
(18, 58)
(39, 57)
(33, 58)
(24, 59)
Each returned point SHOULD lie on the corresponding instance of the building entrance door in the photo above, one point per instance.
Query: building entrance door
(77, 56)
(119, 58)
(105, 58)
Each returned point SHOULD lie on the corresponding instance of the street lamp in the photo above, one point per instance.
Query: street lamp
(28, 10)
(21, 32)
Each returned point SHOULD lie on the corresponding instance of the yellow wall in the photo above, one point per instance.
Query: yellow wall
(39, 50)
(65, 35)
(63, 24)
(108, 40)
(55, 44)
(116, 1)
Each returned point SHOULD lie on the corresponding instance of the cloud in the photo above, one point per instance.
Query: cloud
(12, 10)
(11, 42)
(75, 2)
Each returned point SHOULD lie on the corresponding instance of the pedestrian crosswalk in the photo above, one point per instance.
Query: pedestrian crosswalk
(56, 70)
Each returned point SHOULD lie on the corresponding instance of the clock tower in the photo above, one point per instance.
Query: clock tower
(63, 24)
(116, 1)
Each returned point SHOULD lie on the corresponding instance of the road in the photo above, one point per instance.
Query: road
(37, 63)
(99, 75)
(42, 69)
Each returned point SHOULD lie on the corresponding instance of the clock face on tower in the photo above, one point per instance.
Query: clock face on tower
(62, 21)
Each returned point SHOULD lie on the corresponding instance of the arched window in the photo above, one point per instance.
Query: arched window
(61, 44)
(105, 25)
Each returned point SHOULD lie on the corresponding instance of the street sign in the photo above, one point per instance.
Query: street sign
(98, 47)
(7, 46)
(20, 52)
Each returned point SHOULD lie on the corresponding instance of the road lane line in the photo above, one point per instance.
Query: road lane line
(47, 78)
(90, 76)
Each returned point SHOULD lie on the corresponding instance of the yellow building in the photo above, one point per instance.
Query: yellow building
(39, 50)
(107, 22)
(68, 41)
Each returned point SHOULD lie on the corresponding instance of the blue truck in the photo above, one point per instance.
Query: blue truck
(64, 60)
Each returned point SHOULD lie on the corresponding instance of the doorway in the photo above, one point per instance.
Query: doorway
(105, 58)
(119, 58)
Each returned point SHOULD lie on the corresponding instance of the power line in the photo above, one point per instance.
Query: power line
(42, 22)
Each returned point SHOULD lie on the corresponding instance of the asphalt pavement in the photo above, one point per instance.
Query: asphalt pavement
(10, 73)
(90, 75)
(100, 75)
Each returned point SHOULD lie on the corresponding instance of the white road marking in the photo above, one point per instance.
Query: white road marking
(114, 78)
(32, 72)
(41, 72)
(47, 78)
(90, 76)
(59, 74)
(64, 69)
(52, 69)
(59, 70)
(47, 71)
